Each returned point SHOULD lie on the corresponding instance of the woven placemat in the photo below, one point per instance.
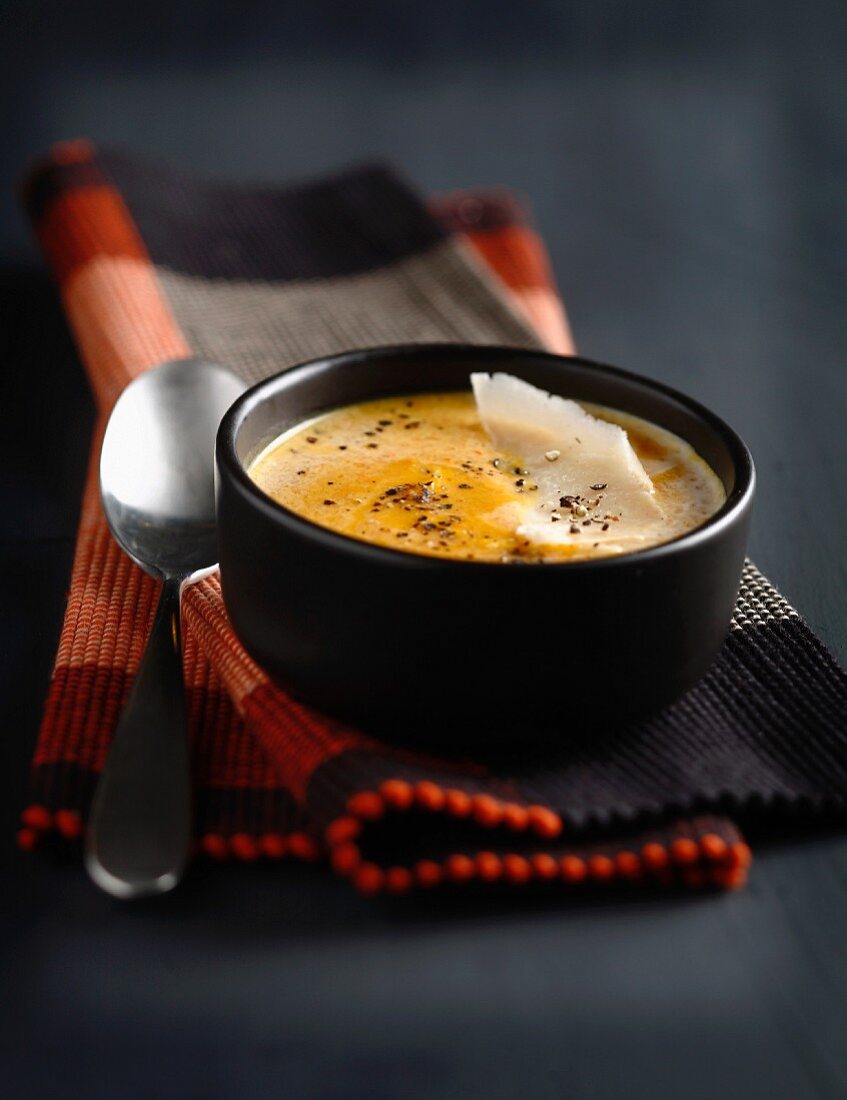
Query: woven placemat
(153, 264)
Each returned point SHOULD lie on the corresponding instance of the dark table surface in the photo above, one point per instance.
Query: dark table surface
(690, 182)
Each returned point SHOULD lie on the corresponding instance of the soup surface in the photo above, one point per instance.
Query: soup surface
(419, 473)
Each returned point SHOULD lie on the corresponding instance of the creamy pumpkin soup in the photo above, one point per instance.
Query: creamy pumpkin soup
(507, 473)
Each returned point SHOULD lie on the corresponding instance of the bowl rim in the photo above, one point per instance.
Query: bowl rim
(737, 501)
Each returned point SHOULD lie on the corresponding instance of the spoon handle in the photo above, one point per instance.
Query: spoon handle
(139, 829)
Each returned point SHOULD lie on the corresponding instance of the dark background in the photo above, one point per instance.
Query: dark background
(686, 162)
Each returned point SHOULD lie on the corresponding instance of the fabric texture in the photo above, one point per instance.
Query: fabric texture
(152, 265)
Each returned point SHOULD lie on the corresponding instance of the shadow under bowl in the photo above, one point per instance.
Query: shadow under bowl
(441, 653)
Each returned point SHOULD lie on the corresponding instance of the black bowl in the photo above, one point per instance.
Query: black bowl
(431, 650)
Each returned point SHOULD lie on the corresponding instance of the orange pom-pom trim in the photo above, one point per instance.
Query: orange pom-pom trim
(740, 854)
(272, 845)
(544, 865)
(303, 846)
(27, 839)
(515, 816)
(345, 858)
(458, 803)
(516, 868)
(713, 847)
(459, 867)
(628, 865)
(368, 878)
(544, 821)
(244, 847)
(655, 856)
(684, 850)
(343, 829)
(398, 880)
(397, 793)
(487, 811)
(69, 823)
(489, 866)
(429, 795)
(214, 846)
(573, 868)
(37, 817)
(367, 805)
(428, 873)
(601, 867)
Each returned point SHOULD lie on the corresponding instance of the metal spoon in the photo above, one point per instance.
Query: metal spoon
(157, 486)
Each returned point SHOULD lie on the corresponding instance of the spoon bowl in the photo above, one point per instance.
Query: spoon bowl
(157, 469)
